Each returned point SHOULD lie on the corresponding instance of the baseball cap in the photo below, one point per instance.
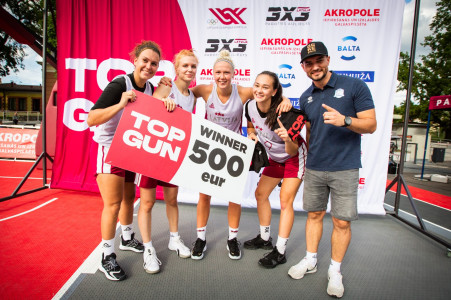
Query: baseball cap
(313, 48)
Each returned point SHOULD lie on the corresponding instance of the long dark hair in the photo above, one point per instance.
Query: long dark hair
(271, 115)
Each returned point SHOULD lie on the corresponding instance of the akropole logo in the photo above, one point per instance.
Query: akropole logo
(285, 75)
(240, 75)
(353, 12)
(348, 47)
(287, 14)
(362, 183)
(290, 46)
(234, 46)
(367, 76)
(76, 112)
(227, 16)
(354, 17)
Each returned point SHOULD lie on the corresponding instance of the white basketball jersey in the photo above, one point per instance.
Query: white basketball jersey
(104, 133)
(185, 102)
(227, 114)
(275, 146)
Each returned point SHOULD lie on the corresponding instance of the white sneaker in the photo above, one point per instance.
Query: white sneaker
(298, 271)
(335, 286)
(151, 262)
(176, 244)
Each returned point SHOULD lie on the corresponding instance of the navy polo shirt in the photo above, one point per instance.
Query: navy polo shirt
(333, 148)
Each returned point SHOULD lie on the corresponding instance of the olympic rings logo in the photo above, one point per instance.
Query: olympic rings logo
(212, 21)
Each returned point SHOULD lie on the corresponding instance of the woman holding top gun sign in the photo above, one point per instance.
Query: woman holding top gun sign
(185, 63)
(116, 185)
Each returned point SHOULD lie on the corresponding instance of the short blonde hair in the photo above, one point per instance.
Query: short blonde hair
(183, 53)
(224, 55)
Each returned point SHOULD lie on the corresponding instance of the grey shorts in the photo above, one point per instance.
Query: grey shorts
(342, 187)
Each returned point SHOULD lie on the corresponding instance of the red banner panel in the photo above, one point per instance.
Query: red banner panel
(18, 143)
(94, 42)
(440, 102)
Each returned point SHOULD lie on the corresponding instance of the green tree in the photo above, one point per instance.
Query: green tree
(29, 13)
(432, 76)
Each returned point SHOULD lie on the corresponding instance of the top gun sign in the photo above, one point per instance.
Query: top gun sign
(182, 149)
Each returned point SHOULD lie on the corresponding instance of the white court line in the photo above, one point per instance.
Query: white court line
(11, 177)
(28, 211)
(424, 201)
(16, 160)
(89, 266)
(414, 217)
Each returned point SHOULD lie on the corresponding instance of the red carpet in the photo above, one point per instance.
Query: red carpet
(43, 248)
(426, 196)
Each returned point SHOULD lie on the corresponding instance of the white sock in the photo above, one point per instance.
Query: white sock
(202, 232)
(311, 258)
(107, 247)
(281, 244)
(148, 245)
(334, 266)
(173, 235)
(265, 232)
(127, 231)
(233, 233)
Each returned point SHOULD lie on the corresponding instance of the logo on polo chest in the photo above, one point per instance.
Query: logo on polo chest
(339, 93)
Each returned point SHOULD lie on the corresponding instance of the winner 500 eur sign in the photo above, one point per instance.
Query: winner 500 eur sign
(182, 149)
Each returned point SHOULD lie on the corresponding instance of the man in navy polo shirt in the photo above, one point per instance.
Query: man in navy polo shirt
(339, 110)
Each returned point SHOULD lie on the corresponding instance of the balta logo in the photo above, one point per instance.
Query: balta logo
(349, 47)
(232, 45)
(285, 75)
(286, 14)
(228, 16)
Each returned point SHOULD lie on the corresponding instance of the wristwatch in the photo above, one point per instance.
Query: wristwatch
(348, 121)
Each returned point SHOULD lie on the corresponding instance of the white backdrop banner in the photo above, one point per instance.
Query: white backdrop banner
(363, 39)
(362, 36)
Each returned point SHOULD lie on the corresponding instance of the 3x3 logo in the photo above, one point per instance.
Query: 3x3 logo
(276, 13)
(241, 45)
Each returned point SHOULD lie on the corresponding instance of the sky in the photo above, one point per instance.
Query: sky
(32, 74)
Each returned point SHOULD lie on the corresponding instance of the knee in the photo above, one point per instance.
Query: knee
(316, 216)
(113, 207)
(146, 206)
(260, 196)
(286, 203)
(341, 224)
(172, 202)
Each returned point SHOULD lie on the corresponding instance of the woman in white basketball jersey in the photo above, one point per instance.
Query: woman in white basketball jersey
(286, 161)
(116, 185)
(224, 106)
(185, 63)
